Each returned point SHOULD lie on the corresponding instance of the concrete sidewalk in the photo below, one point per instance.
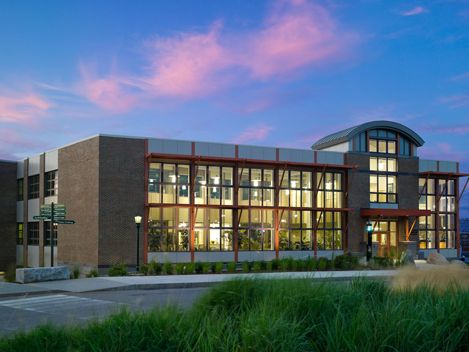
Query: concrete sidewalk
(174, 281)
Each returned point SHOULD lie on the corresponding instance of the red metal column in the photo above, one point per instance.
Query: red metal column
(146, 209)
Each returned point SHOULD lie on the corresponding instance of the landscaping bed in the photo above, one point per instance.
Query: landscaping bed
(277, 315)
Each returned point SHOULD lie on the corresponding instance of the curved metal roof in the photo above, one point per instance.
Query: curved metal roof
(349, 133)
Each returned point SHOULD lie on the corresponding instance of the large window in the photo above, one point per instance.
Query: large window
(33, 187)
(256, 187)
(329, 233)
(168, 229)
(51, 183)
(33, 233)
(20, 189)
(383, 180)
(256, 230)
(330, 190)
(382, 141)
(168, 183)
(213, 230)
(295, 188)
(47, 233)
(213, 185)
(19, 233)
(438, 196)
(295, 230)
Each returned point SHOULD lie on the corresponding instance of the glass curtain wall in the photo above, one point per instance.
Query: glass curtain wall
(438, 196)
(169, 196)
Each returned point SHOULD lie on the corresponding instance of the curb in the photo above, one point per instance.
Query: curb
(34, 293)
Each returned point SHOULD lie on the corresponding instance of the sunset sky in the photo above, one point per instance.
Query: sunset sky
(277, 73)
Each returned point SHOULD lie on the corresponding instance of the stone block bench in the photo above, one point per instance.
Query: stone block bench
(26, 275)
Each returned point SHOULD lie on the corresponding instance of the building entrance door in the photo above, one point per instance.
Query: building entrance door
(385, 235)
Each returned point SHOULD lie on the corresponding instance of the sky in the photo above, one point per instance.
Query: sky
(278, 73)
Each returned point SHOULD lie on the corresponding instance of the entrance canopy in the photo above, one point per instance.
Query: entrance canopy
(394, 213)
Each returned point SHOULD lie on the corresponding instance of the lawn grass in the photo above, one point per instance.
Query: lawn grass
(278, 315)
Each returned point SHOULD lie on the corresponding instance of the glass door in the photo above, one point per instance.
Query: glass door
(385, 235)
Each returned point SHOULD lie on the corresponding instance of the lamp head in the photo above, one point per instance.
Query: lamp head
(138, 219)
(369, 227)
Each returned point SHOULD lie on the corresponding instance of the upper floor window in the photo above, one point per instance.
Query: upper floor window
(383, 181)
(383, 164)
(51, 183)
(19, 189)
(382, 141)
(33, 187)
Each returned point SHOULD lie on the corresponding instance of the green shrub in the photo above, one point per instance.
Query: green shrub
(168, 268)
(10, 273)
(283, 264)
(206, 268)
(268, 266)
(198, 268)
(275, 264)
(323, 264)
(180, 268)
(190, 268)
(76, 272)
(299, 264)
(154, 268)
(257, 267)
(311, 264)
(345, 262)
(218, 268)
(118, 270)
(144, 269)
(291, 264)
(92, 273)
(382, 262)
(246, 267)
(231, 267)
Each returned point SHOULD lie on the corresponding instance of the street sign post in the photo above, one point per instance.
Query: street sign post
(56, 214)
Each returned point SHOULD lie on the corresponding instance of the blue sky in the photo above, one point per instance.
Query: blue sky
(281, 73)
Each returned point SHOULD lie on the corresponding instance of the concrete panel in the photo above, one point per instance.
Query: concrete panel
(20, 169)
(47, 255)
(172, 257)
(295, 254)
(383, 206)
(296, 155)
(448, 166)
(168, 146)
(34, 165)
(215, 149)
(214, 257)
(51, 160)
(33, 209)
(255, 256)
(50, 199)
(330, 254)
(33, 256)
(19, 211)
(258, 153)
(447, 253)
(342, 147)
(19, 255)
(330, 158)
(427, 165)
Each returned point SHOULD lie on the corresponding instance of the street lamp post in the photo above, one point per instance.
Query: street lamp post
(138, 220)
(369, 230)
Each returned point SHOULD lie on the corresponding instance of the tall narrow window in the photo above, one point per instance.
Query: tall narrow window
(47, 233)
(33, 187)
(383, 180)
(19, 233)
(33, 233)
(51, 183)
(20, 189)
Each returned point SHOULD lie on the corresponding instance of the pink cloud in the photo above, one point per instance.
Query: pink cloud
(456, 101)
(460, 130)
(443, 151)
(253, 134)
(13, 144)
(415, 11)
(112, 93)
(22, 109)
(294, 35)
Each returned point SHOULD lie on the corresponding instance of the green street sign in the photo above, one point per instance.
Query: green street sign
(59, 206)
(65, 222)
(41, 217)
(59, 217)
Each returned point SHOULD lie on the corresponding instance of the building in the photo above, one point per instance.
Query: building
(223, 202)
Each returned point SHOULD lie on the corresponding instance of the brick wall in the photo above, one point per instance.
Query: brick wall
(7, 214)
(78, 191)
(121, 197)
